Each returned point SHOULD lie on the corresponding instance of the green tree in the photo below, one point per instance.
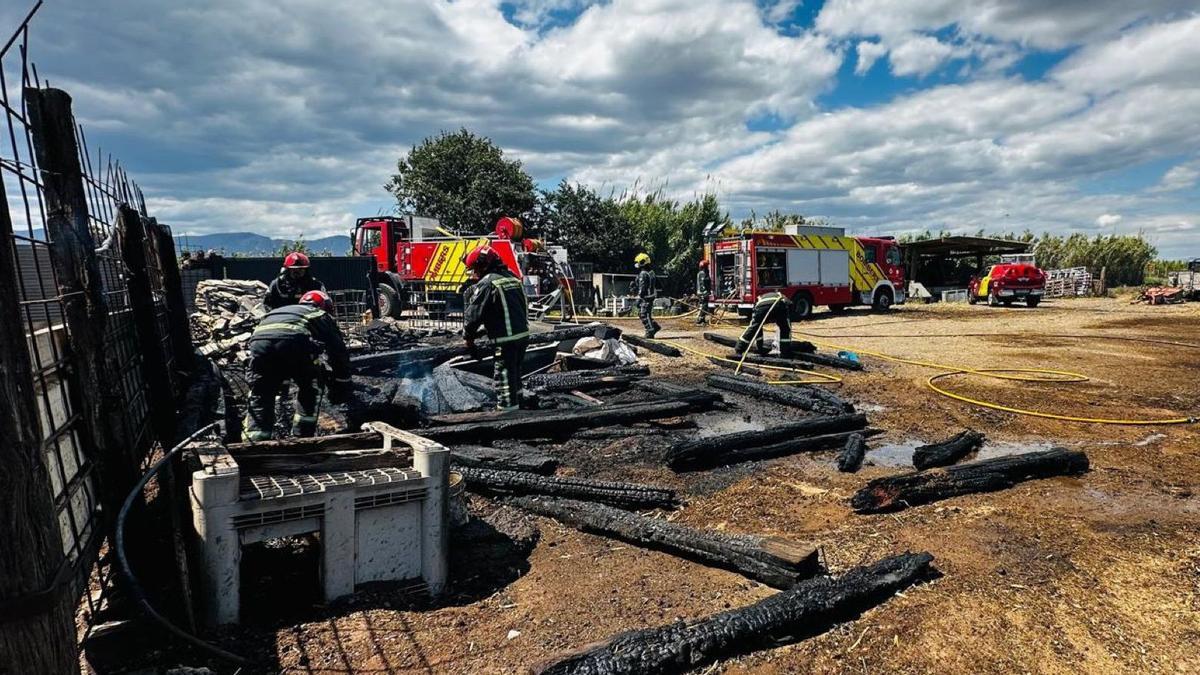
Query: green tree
(463, 180)
(298, 244)
(591, 227)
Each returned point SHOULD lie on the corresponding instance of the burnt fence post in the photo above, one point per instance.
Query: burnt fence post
(132, 235)
(37, 617)
(73, 258)
(177, 316)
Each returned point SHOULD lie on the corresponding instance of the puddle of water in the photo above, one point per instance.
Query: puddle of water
(901, 454)
(1004, 449)
(716, 424)
(893, 454)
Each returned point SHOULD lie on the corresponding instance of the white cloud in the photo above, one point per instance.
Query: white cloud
(919, 55)
(868, 52)
(1179, 177)
(1108, 219)
(227, 130)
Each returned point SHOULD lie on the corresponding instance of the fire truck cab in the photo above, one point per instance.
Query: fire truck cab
(812, 266)
(419, 265)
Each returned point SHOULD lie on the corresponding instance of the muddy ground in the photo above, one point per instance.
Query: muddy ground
(1093, 574)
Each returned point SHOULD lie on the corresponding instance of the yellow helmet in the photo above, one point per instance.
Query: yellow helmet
(641, 259)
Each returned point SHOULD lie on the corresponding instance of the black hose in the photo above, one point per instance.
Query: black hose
(138, 592)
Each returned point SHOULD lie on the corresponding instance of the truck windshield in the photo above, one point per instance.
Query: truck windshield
(368, 240)
(893, 256)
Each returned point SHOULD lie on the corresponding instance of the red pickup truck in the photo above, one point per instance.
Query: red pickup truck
(1008, 282)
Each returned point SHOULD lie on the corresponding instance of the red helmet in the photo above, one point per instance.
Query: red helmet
(703, 264)
(481, 259)
(295, 261)
(317, 299)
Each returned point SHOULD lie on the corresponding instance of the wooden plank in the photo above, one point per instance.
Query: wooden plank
(777, 562)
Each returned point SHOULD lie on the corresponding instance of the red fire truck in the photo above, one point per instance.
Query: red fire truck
(420, 264)
(811, 265)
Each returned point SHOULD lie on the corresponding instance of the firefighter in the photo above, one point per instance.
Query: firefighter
(286, 346)
(703, 289)
(496, 303)
(646, 286)
(771, 306)
(293, 281)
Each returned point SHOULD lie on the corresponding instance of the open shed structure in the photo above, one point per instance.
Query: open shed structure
(947, 263)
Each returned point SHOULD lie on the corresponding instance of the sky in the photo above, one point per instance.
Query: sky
(884, 116)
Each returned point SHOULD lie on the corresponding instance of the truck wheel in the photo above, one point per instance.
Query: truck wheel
(1032, 302)
(389, 301)
(972, 298)
(993, 301)
(802, 306)
(883, 300)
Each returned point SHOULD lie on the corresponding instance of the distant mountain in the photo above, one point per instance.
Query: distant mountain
(251, 244)
(247, 243)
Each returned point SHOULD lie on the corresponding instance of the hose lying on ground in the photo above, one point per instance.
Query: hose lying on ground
(135, 586)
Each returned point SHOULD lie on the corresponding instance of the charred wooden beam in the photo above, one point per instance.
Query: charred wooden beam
(948, 451)
(365, 440)
(851, 457)
(773, 450)
(624, 495)
(656, 346)
(713, 449)
(798, 346)
(619, 432)
(495, 458)
(775, 562)
(808, 608)
(893, 493)
(797, 396)
(560, 423)
(773, 361)
(578, 381)
(252, 462)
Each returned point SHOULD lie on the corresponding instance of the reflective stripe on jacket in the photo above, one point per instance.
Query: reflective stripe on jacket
(310, 322)
(497, 303)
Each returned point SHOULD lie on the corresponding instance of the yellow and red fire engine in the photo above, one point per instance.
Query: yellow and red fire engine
(812, 266)
(420, 265)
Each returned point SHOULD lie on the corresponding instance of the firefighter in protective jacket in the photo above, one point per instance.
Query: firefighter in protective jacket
(646, 287)
(703, 290)
(287, 346)
(293, 282)
(771, 306)
(496, 304)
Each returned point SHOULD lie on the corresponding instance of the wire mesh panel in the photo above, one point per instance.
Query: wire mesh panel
(92, 450)
(71, 465)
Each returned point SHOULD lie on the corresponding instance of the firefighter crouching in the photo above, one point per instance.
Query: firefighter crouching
(286, 346)
(496, 303)
(772, 306)
(646, 286)
(703, 290)
(292, 283)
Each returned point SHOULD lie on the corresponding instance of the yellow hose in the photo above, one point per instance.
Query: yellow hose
(1057, 376)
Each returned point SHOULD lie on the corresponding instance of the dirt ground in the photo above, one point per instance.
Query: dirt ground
(1097, 574)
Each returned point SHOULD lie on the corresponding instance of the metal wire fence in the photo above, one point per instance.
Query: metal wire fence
(95, 433)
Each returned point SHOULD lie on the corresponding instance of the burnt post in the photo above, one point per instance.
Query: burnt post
(37, 618)
(73, 257)
(177, 317)
(132, 235)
